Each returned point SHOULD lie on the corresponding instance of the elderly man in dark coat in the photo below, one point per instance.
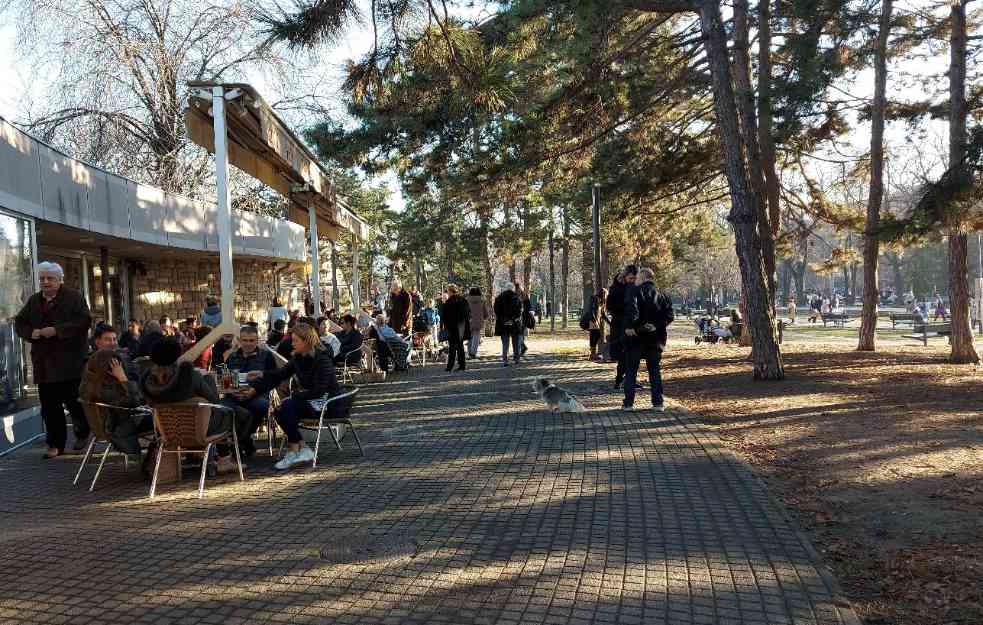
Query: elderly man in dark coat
(55, 321)
(400, 309)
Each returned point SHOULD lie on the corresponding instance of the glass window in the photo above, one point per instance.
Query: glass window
(16, 285)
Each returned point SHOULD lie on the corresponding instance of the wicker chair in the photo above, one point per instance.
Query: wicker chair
(95, 414)
(183, 428)
(344, 402)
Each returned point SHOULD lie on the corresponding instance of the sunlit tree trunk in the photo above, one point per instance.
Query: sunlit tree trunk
(868, 319)
(745, 202)
(963, 349)
(565, 268)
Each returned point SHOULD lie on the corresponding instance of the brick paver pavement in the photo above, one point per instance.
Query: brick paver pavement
(473, 505)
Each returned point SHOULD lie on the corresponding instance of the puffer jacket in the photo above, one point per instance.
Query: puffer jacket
(212, 316)
(315, 374)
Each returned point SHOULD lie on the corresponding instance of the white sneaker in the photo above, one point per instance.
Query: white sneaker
(659, 408)
(304, 454)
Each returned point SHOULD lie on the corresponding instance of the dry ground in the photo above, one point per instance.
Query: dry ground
(879, 454)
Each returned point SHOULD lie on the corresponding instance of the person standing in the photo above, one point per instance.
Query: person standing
(598, 317)
(615, 305)
(277, 312)
(648, 313)
(456, 321)
(55, 321)
(791, 309)
(508, 322)
(528, 320)
(400, 309)
(479, 312)
(212, 315)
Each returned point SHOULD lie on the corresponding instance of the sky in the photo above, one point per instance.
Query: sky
(357, 40)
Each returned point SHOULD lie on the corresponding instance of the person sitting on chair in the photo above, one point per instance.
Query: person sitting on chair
(350, 340)
(168, 381)
(381, 332)
(252, 359)
(105, 381)
(311, 362)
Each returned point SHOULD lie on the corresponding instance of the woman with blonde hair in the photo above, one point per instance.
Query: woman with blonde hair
(313, 365)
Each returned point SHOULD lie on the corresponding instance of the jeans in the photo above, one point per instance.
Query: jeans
(515, 340)
(292, 411)
(652, 353)
(258, 408)
(474, 343)
(55, 398)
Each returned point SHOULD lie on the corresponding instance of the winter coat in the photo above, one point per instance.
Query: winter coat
(456, 318)
(315, 374)
(508, 308)
(178, 382)
(59, 358)
(350, 342)
(400, 311)
(598, 313)
(615, 308)
(646, 305)
(212, 316)
(479, 312)
(260, 360)
(123, 426)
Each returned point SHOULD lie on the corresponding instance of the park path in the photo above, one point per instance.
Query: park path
(473, 505)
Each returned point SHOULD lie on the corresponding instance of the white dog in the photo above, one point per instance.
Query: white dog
(557, 399)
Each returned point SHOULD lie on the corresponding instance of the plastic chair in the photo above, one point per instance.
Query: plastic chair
(183, 428)
(344, 402)
(96, 416)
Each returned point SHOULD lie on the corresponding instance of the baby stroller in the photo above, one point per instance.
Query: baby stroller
(709, 330)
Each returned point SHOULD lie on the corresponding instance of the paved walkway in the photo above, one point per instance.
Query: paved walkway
(473, 505)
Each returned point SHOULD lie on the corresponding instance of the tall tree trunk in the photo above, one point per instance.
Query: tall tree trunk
(744, 97)
(527, 274)
(963, 349)
(766, 118)
(800, 271)
(746, 204)
(565, 268)
(587, 267)
(488, 286)
(868, 316)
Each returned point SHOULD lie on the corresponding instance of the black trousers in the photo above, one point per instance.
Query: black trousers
(455, 349)
(55, 398)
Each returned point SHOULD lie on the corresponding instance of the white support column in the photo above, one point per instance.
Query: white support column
(85, 280)
(315, 264)
(222, 200)
(356, 296)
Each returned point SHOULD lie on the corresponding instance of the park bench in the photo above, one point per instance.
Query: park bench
(924, 331)
(897, 318)
(837, 319)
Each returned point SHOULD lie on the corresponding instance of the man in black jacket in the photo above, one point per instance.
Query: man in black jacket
(648, 312)
(617, 295)
(55, 321)
(508, 322)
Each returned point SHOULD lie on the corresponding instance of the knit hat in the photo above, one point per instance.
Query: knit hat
(165, 352)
